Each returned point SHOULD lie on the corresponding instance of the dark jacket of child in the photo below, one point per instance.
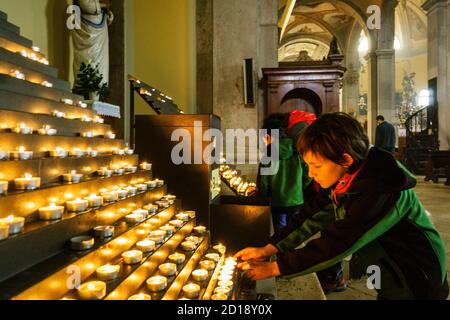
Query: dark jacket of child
(379, 220)
(285, 188)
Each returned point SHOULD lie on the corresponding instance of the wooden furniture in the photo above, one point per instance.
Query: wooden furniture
(438, 160)
(315, 83)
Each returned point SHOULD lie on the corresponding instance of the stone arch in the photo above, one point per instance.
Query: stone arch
(301, 99)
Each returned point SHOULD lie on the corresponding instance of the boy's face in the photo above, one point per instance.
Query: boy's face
(325, 172)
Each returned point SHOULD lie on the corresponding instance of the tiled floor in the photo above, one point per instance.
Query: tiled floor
(436, 199)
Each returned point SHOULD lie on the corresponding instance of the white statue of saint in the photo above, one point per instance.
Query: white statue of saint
(91, 41)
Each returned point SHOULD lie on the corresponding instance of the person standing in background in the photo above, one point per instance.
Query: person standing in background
(385, 135)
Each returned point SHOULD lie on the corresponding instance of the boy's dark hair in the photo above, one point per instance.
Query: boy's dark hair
(334, 134)
(276, 121)
(380, 117)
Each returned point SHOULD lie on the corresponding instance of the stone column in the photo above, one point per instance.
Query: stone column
(438, 15)
(372, 94)
(381, 68)
(351, 80)
(386, 61)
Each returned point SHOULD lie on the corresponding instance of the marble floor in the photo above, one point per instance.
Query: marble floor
(435, 198)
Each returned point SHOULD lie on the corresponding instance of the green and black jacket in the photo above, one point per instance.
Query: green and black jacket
(381, 221)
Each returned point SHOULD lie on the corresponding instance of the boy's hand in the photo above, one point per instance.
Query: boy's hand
(256, 253)
(260, 270)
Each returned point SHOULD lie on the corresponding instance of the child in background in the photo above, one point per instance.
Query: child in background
(376, 216)
(285, 187)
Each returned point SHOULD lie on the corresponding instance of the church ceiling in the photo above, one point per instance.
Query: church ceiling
(321, 20)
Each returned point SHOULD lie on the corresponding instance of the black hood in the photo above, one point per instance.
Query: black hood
(382, 173)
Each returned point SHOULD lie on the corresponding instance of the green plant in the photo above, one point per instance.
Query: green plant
(89, 79)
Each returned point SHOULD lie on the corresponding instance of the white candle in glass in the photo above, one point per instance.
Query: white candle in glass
(176, 223)
(58, 114)
(200, 230)
(16, 224)
(151, 184)
(207, 265)
(76, 152)
(119, 152)
(134, 218)
(4, 231)
(67, 101)
(170, 230)
(88, 134)
(122, 193)
(200, 275)
(108, 272)
(110, 135)
(3, 154)
(77, 205)
(104, 232)
(168, 269)
(131, 190)
(183, 217)
(157, 283)
(94, 290)
(140, 296)
(146, 166)
(129, 151)
(3, 187)
(191, 214)
(219, 297)
(47, 84)
(177, 258)
(72, 177)
(110, 196)
(188, 246)
(17, 74)
(52, 212)
(59, 153)
(132, 257)
(22, 128)
(82, 104)
(20, 154)
(220, 248)
(191, 290)
(151, 208)
(193, 239)
(141, 187)
(92, 153)
(105, 172)
(131, 169)
(94, 201)
(213, 257)
(159, 183)
(146, 245)
(47, 130)
(156, 236)
(28, 182)
(225, 284)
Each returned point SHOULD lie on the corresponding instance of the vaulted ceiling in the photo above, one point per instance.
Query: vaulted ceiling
(313, 23)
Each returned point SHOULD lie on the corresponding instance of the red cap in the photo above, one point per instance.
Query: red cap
(297, 116)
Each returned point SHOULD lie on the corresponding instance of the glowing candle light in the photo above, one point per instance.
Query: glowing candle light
(50, 213)
(108, 272)
(140, 296)
(72, 177)
(15, 224)
(191, 290)
(3, 187)
(168, 269)
(200, 275)
(28, 182)
(94, 290)
(157, 283)
(132, 257)
(77, 205)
